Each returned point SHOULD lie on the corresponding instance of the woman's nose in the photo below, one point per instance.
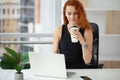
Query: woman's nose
(72, 16)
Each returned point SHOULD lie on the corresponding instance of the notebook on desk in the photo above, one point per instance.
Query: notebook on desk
(48, 65)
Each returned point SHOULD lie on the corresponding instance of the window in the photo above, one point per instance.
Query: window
(41, 34)
(0, 23)
(8, 11)
(0, 11)
(3, 11)
(13, 11)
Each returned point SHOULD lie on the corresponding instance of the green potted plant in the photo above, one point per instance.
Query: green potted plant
(15, 60)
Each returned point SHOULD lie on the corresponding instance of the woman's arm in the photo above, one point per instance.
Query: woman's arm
(86, 43)
(56, 39)
(87, 46)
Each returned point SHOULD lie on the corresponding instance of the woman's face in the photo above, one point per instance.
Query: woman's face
(71, 15)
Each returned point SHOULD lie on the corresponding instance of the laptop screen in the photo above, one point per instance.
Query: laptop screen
(48, 65)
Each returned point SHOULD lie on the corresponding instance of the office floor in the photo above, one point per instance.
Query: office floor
(111, 64)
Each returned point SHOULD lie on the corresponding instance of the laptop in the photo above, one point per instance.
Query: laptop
(48, 65)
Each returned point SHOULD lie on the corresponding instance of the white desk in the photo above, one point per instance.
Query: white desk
(94, 74)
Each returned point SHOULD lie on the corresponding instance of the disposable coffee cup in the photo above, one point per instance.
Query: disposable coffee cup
(73, 38)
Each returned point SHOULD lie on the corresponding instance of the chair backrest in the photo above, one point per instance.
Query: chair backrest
(95, 50)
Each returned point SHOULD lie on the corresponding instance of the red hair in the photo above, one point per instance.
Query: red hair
(82, 17)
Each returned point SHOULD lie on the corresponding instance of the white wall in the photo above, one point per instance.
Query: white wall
(97, 17)
(109, 47)
(47, 16)
(104, 4)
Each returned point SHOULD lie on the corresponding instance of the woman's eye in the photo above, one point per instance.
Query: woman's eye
(69, 13)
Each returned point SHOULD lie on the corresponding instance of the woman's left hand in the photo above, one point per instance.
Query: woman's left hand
(78, 36)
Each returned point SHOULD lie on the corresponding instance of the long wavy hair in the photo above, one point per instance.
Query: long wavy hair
(82, 17)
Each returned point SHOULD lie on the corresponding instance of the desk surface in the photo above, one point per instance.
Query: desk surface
(94, 74)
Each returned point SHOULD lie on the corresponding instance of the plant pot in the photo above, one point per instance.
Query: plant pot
(19, 76)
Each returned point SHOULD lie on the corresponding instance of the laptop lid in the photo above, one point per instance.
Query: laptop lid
(48, 65)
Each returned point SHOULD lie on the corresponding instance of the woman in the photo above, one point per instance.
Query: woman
(77, 55)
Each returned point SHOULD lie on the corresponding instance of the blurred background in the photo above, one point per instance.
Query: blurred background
(29, 25)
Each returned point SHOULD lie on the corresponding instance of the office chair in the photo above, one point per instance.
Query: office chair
(95, 51)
